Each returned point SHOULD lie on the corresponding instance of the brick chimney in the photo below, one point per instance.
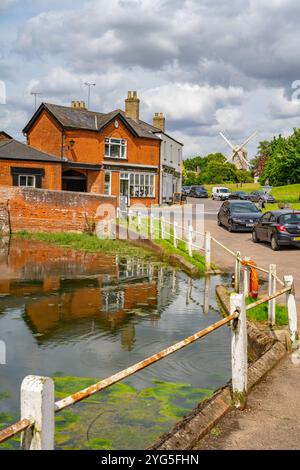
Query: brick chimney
(78, 105)
(159, 121)
(132, 106)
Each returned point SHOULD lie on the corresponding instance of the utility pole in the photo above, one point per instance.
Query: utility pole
(35, 94)
(89, 85)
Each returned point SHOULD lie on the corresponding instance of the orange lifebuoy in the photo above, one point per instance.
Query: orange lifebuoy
(254, 286)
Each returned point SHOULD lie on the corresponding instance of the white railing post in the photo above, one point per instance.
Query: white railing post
(130, 216)
(239, 351)
(118, 212)
(151, 225)
(272, 290)
(207, 247)
(175, 233)
(37, 404)
(237, 273)
(190, 242)
(162, 227)
(139, 216)
(292, 310)
(246, 277)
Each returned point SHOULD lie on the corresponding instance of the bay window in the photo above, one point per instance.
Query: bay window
(142, 185)
(116, 148)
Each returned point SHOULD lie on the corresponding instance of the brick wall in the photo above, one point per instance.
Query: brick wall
(38, 210)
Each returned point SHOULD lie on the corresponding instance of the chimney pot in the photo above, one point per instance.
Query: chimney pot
(132, 106)
(159, 121)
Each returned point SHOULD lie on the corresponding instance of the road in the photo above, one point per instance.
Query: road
(287, 259)
(272, 417)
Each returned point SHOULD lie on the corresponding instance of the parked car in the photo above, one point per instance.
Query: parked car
(185, 190)
(262, 197)
(278, 228)
(220, 193)
(241, 195)
(198, 191)
(238, 215)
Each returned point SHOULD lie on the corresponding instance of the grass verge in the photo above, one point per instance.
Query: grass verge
(260, 313)
(88, 243)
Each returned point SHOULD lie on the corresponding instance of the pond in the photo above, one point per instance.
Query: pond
(81, 317)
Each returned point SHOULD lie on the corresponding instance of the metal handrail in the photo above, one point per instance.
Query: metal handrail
(268, 297)
(15, 429)
(103, 384)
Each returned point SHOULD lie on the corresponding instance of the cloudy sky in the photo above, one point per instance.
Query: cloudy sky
(209, 65)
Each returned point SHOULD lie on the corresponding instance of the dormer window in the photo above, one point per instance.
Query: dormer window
(115, 148)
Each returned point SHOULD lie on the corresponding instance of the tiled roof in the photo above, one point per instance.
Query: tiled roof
(14, 150)
(83, 119)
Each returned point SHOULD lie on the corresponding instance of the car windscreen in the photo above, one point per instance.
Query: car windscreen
(290, 219)
(223, 190)
(244, 208)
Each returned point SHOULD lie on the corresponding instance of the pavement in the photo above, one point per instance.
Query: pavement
(272, 418)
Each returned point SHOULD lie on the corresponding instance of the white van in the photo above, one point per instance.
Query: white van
(219, 193)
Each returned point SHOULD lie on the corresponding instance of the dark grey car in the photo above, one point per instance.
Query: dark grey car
(262, 197)
(238, 215)
(279, 228)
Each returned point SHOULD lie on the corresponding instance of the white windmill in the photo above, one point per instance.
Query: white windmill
(239, 156)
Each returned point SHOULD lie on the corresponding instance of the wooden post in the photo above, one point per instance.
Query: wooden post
(206, 295)
(239, 351)
(37, 404)
(139, 215)
(207, 251)
(118, 212)
(272, 290)
(162, 227)
(175, 233)
(237, 273)
(292, 311)
(190, 242)
(130, 216)
(151, 225)
(246, 278)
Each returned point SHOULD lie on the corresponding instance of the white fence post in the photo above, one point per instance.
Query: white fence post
(37, 404)
(237, 273)
(118, 212)
(175, 233)
(207, 247)
(139, 215)
(130, 216)
(239, 351)
(190, 242)
(272, 290)
(151, 225)
(162, 226)
(246, 278)
(292, 310)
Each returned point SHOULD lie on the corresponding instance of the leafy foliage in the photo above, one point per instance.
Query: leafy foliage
(213, 169)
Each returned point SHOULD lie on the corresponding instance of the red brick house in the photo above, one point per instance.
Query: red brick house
(114, 153)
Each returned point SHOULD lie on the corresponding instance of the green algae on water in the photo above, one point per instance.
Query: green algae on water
(121, 417)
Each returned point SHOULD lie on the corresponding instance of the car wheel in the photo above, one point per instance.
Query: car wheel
(219, 222)
(274, 244)
(230, 226)
(255, 237)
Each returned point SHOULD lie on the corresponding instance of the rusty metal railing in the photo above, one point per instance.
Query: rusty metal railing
(60, 405)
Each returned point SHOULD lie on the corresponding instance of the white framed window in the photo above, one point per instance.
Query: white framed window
(115, 148)
(107, 183)
(27, 181)
(142, 185)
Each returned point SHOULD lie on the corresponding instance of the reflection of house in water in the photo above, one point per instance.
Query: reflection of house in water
(69, 295)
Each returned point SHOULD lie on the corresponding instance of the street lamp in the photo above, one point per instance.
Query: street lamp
(89, 85)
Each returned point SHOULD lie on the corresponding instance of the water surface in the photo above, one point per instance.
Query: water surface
(81, 317)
